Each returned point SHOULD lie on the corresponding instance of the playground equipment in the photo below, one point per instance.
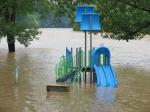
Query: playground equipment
(69, 65)
(105, 74)
(72, 67)
(81, 10)
(90, 22)
(75, 67)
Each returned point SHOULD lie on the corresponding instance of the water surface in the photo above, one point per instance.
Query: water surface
(37, 69)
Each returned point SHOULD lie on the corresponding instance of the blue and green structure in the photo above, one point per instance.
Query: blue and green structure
(75, 67)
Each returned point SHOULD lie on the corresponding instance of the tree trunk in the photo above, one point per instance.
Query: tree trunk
(10, 16)
(11, 43)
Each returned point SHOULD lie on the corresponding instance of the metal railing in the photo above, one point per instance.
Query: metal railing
(68, 64)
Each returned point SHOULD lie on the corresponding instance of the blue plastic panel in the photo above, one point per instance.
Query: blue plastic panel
(105, 76)
(79, 11)
(85, 22)
(68, 53)
(97, 52)
(90, 22)
(89, 9)
(83, 9)
(96, 22)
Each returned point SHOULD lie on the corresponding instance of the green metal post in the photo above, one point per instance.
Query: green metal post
(85, 54)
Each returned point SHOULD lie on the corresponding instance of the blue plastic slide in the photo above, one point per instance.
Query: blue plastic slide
(105, 76)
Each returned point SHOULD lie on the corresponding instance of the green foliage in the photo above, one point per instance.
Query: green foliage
(64, 8)
(20, 18)
(121, 19)
(76, 26)
(125, 19)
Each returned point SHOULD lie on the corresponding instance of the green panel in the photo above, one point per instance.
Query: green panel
(102, 59)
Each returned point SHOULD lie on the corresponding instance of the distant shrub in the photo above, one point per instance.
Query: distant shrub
(76, 26)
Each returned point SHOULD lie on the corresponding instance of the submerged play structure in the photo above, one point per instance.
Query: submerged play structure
(83, 66)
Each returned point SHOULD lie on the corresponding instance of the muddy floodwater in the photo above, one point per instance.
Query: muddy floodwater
(36, 63)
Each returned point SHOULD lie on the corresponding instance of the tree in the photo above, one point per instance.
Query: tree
(19, 20)
(126, 19)
(123, 19)
(64, 8)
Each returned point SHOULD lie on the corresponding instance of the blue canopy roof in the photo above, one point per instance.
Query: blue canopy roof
(83, 9)
(90, 22)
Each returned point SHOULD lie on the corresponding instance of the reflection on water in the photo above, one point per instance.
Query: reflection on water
(37, 67)
(105, 94)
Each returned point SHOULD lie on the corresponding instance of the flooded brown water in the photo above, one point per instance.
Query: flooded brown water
(37, 69)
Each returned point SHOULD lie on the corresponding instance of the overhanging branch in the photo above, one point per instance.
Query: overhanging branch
(135, 6)
(141, 28)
